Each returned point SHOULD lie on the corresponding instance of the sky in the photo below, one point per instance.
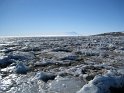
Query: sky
(60, 17)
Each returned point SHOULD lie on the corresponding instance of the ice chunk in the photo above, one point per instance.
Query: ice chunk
(102, 84)
(45, 76)
(65, 85)
(21, 68)
(5, 61)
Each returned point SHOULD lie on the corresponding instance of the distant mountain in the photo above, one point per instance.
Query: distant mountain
(71, 33)
(112, 34)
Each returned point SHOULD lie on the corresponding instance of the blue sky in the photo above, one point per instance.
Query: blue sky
(60, 17)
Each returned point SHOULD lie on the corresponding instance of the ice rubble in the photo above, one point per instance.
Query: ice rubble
(102, 84)
(21, 56)
(21, 84)
(7, 82)
(99, 54)
(15, 56)
(71, 57)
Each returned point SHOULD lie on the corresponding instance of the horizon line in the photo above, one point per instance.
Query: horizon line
(55, 35)
(43, 36)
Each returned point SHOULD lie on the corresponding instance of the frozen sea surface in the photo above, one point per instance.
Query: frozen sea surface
(92, 64)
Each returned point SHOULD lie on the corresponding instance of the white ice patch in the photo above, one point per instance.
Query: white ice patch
(8, 69)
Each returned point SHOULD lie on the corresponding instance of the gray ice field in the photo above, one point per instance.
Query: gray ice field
(81, 64)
